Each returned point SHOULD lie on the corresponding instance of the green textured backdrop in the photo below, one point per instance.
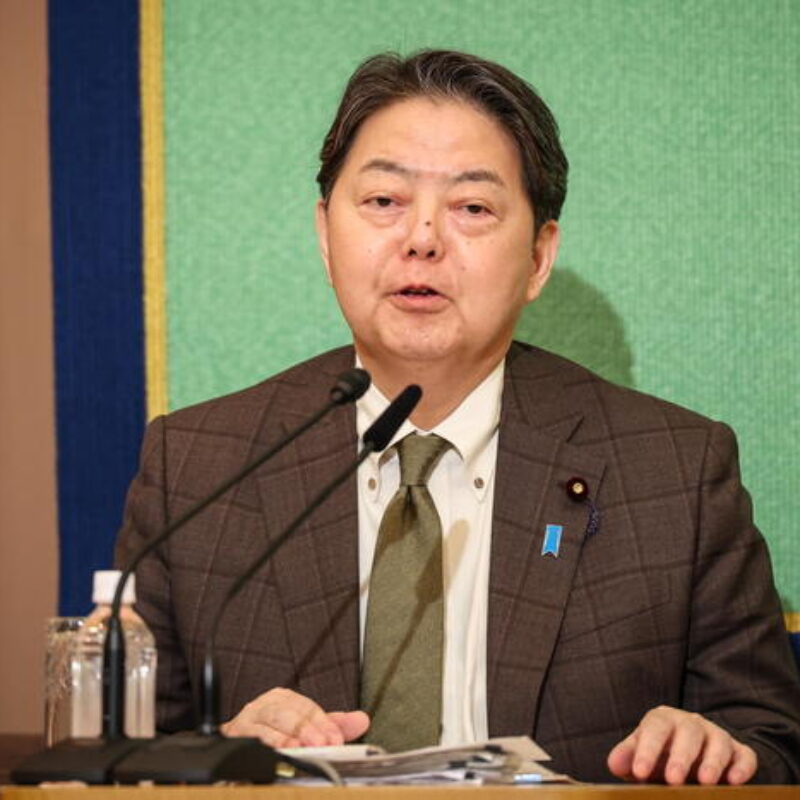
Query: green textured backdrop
(678, 273)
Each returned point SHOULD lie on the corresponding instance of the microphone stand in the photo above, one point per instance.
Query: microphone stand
(207, 756)
(93, 760)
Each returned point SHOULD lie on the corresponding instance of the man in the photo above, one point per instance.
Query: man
(605, 590)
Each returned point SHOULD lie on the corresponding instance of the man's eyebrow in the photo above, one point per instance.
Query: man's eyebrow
(468, 176)
(385, 165)
(478, 175)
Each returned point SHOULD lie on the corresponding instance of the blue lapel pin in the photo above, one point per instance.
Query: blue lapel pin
(552, 540)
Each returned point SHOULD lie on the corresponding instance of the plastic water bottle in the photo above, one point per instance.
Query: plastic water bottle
(87, 664)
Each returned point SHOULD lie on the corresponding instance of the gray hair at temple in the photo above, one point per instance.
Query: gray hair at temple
(447, 74)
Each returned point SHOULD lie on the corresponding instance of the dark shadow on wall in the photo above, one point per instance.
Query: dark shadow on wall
(575, 320)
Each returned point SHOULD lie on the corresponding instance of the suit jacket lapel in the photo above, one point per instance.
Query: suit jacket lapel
(528, 591)
(316, 571)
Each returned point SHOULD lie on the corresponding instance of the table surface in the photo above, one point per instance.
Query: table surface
(14, 748)
(288, 792)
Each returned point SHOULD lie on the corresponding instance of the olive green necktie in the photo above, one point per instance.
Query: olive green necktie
(401, 685)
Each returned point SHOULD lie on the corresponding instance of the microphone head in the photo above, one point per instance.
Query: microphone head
(350, 386)
(380, 433)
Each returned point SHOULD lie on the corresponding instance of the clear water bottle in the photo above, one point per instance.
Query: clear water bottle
(87, 664)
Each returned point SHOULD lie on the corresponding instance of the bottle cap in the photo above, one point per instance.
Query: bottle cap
(105, 584)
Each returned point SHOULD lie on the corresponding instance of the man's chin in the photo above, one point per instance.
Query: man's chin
(418, 351)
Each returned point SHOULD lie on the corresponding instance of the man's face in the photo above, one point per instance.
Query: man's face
(428, 236)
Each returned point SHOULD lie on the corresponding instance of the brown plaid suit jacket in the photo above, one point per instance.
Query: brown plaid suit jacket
(670, 602)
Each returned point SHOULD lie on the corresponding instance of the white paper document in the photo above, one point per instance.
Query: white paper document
(511, 760)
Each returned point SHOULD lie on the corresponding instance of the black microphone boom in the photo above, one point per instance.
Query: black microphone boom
(92, 760)
(194, 759)
(349, 386)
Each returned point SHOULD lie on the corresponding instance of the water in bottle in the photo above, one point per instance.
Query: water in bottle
(87, 663)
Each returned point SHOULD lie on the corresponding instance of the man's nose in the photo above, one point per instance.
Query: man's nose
(424, 239)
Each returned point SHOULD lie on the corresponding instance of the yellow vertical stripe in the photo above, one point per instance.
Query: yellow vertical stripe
(792, 621)
(153, 205)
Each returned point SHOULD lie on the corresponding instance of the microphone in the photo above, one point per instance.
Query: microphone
(187, 759)
(380, 433)
(349, 386)
(92, 760)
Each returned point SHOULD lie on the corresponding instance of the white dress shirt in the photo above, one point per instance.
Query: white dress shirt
(462, 487)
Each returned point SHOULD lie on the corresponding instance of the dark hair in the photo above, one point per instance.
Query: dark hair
(387, 78)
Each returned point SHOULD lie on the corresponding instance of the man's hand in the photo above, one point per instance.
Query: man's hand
(283, 718)
(676, 746)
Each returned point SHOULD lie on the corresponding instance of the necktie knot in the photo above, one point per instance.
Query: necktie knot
(418, 457)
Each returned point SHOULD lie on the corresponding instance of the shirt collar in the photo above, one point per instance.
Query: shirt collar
(469, 428)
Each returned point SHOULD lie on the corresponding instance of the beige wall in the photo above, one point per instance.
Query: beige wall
(28, 542)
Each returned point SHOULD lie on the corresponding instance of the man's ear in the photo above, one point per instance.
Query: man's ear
(321, 223)
(545, 250)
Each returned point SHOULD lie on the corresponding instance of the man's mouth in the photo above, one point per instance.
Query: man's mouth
(418, 291)
(419, 297)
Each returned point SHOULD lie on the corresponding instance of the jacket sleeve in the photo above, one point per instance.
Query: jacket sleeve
(145, 517)
(740, 671)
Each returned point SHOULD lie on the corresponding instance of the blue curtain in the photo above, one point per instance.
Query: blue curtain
(97, 277)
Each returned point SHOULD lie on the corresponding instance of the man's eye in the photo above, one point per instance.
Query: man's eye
(381, 202)
(475, 209)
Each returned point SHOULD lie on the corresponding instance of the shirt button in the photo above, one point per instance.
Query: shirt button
(372, 483)
(478, 483)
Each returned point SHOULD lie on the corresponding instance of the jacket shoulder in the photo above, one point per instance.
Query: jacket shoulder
(609, 411)
(305, 384)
